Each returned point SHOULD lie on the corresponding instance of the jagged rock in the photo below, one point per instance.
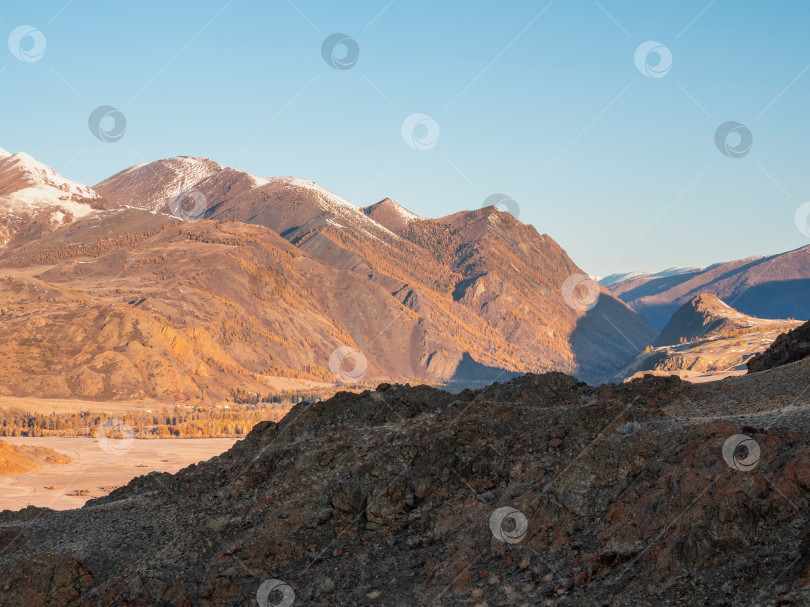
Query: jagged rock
(788, 347)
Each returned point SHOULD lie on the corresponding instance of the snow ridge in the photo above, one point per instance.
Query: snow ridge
(329, 201)
(38, 174)
(614, 279)
(29, 187)
(164, 179)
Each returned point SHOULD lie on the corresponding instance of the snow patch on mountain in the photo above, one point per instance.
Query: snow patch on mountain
(406, 214)
(331, 202)
(259, 181)
(40, 175)
(614, 279)
(157, 183)
(27, 186)
(194, 170)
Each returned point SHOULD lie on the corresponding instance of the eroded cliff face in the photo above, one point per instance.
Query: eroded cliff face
(538, 491)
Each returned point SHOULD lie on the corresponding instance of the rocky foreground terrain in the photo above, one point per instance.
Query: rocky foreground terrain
(538, 491)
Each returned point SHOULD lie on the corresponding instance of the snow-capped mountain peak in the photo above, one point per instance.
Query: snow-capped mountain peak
(153, 185)
(39, 176)
(30, 188)
(614, 279)
(156, 185)
(333, 204)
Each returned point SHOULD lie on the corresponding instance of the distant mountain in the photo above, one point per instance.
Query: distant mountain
(184, 280)
(35, 199)
(153, 186)
(613, 279)
(392, 215)
(772, 286)
(706, 339)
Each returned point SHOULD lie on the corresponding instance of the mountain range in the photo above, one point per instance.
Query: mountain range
(184, 280)
(770, 286)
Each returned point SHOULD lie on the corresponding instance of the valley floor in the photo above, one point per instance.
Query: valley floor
(45, 406)
(94, 472)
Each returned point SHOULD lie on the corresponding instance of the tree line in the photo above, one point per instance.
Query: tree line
(233, 419)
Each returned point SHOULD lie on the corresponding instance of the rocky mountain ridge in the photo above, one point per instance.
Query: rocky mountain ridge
(788, 347)
(703, 316)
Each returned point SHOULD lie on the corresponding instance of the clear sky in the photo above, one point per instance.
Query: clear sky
(543, 102)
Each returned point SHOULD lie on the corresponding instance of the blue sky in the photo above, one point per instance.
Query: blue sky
(540, 101)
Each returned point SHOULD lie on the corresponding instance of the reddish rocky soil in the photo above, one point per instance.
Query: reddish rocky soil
(390, 497)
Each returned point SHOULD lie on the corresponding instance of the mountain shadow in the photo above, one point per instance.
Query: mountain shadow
(776, 299)
(607, 328)
(472, 374)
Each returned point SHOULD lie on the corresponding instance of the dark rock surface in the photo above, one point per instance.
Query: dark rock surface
(395, 497)
(788, 347)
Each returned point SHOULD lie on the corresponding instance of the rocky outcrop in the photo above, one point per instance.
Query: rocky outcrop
(788, 347)
(21, 459)
(705, 339)
(538, 491)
